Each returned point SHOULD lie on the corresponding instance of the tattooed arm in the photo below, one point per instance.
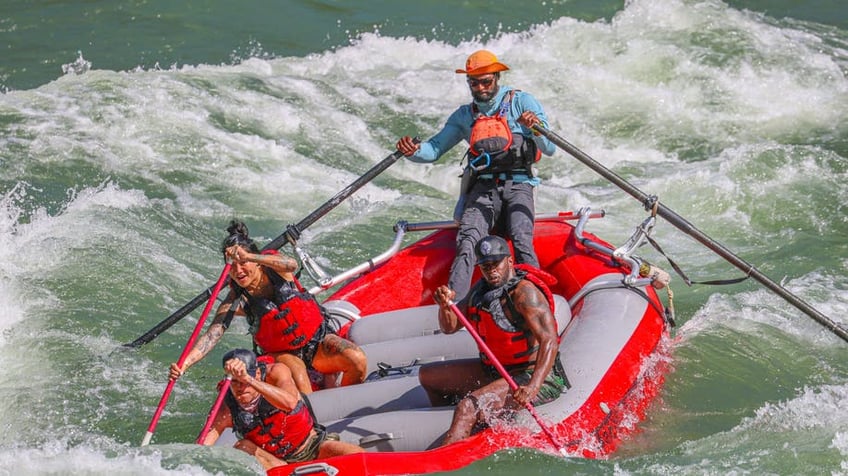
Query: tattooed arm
(280, 263)
(533, 306)
(208, 339)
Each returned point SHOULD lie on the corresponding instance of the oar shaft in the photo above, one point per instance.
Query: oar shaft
(338, 198)
(506, 376)
(171, 320)
(686, 227)
(189, 345)
(752, 271)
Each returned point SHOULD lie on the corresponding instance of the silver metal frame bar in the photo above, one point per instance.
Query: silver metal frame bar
(400, 229)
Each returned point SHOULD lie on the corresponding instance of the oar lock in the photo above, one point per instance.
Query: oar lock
(293, 233)
(651, 204)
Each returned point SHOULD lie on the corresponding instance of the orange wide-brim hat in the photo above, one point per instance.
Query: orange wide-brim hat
(482, 62)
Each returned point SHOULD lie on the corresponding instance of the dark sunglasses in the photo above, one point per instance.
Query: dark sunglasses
(485, 82)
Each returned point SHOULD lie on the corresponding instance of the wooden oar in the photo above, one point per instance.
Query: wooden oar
(509, 380)
(291, 235)
(225, 386)
(186, 350)
(695, 233)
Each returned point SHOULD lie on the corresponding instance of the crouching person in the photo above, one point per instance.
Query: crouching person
(271, 419)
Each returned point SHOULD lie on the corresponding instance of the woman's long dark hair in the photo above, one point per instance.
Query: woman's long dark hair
(238, 234)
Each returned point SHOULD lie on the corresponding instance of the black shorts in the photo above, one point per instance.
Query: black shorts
(307, 352)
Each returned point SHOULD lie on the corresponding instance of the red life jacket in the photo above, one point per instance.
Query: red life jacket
(494, 148)
(288, 321)
(276, 431)
(510, 340)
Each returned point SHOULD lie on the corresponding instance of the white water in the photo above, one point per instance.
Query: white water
(117, 188)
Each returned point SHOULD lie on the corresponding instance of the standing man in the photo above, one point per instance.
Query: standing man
(498, 180)
(269, 416)
(512, 311)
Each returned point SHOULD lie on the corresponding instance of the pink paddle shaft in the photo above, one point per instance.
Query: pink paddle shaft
(502, 371)
(225, 385)
(186, 350)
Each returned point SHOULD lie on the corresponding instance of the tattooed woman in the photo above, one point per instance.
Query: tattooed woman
(285, 320)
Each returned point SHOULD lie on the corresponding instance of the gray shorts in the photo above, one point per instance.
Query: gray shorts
(486, 204)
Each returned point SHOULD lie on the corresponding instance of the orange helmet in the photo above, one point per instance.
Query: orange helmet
(482, 62)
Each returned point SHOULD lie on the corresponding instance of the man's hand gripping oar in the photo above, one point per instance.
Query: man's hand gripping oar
(506, 376)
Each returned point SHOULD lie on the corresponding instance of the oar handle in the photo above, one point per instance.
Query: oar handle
(189, 345)
(506, 376)
(681, 224)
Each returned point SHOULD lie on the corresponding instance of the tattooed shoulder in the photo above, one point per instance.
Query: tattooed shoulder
(334, 344)
(527, 297)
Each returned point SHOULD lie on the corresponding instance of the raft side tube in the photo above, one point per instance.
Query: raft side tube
(422, 321)
(422, 429)
(400, 359)
(393, 325)
(394, 413)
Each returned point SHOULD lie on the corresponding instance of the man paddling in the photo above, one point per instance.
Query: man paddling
(512, 310)
(270, 417)
(498, 181)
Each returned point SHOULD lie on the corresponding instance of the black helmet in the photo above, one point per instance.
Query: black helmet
(246, 356)
(491, 248)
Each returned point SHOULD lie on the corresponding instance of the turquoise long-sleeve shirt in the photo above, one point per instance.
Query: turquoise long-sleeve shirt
(458, 128)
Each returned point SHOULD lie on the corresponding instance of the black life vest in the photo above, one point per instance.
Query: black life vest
(494, 148)
(508, 338)
(276, 431)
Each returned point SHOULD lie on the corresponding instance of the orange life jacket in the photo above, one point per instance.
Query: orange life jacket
(494, 148)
